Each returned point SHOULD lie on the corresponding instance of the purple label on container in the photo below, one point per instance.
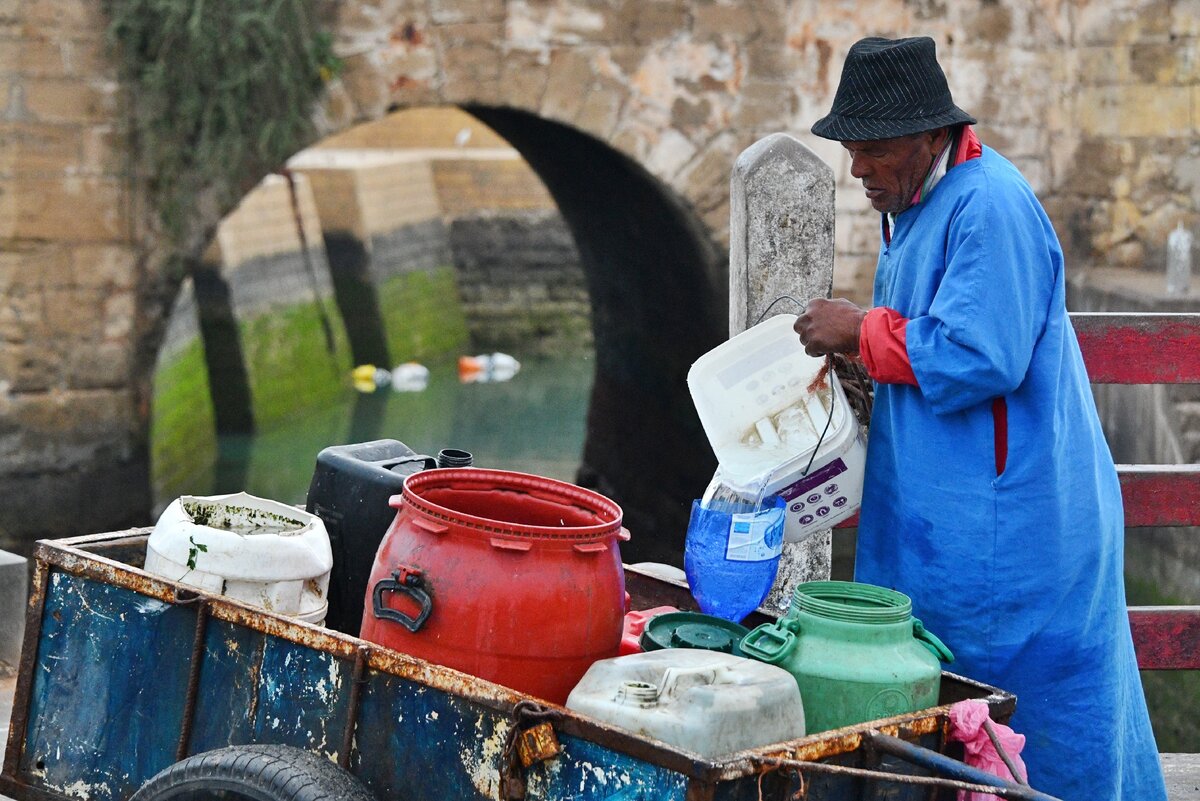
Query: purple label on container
(813, 479)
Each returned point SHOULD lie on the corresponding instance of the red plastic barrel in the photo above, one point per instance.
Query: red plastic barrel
(511, 577)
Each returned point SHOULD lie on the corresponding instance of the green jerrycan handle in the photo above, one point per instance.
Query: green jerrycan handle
(930, 641)
(770, 642)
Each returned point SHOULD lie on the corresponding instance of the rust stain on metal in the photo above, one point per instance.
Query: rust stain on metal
(256, 663)
(352, 705)
(189, 701)
(33, 633)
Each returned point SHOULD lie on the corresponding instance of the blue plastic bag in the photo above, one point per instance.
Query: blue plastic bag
(731, 556)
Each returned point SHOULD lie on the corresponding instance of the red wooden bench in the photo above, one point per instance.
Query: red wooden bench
(1155, 349)
(1152, 349)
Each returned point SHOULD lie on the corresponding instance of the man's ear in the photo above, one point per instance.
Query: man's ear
(937, 139)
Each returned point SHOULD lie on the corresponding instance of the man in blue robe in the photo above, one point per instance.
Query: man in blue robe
(990, 495)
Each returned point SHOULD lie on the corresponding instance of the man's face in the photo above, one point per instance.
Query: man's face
(892, 169)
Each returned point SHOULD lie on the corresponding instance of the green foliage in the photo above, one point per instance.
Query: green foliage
(195, 549)
(222, 91)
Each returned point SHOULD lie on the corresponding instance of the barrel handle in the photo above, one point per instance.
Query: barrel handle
(770, 643)
(520, 546)
(431, 526)
(931, 642)
(623, 535)
(407, 580)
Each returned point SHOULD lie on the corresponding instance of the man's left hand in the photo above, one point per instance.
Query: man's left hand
(830, 326)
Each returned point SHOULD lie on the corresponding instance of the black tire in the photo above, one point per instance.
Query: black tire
(255, 772)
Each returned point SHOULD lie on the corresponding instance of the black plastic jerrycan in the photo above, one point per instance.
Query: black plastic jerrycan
(349, 491)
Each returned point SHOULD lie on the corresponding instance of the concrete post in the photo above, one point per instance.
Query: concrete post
(13, 590)
(781, 244)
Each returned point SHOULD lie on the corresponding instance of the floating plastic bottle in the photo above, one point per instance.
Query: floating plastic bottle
(1179, 261)
(731, 553)
(487, 367)
(410, 377)
(367, 377)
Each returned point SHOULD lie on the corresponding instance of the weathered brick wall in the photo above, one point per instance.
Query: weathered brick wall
(1094, 100)
(444, 127)
(72, 408)
(521, 283)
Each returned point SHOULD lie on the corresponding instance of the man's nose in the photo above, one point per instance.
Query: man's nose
(858, 167)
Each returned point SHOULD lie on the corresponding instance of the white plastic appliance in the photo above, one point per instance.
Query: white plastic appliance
(767, 429)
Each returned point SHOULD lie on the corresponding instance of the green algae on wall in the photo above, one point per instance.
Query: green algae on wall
(290, 365)
(182, 445)
(423, 315)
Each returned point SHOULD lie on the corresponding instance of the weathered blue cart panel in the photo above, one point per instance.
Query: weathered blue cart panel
(124, 674)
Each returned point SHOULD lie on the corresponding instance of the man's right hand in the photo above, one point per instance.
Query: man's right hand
(830, 326)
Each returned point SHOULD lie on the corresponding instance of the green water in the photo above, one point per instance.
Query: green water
(534, 423)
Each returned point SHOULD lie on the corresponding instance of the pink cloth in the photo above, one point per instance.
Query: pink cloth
(966, 727)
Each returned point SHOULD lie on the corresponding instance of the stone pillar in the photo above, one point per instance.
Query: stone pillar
(13, 588)
(781, 244)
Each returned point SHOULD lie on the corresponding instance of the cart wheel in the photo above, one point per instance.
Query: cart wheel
(255, 772)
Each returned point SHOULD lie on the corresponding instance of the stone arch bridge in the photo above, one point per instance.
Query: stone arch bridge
(631, 112)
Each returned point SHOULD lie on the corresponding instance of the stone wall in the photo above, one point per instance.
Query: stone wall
(521, 283)
(73, 394)
(1094, 100)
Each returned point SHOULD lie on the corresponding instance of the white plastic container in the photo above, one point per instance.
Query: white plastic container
(256, 550)
(705, 702)
(765, 427)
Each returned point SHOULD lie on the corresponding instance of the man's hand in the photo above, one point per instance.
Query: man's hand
(830, 326)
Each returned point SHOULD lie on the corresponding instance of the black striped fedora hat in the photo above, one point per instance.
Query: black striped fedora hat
(889, 88)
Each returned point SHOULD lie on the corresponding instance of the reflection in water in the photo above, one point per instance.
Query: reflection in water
(534, 423)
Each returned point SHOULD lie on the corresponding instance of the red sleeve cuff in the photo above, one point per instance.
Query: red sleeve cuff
(882, 347)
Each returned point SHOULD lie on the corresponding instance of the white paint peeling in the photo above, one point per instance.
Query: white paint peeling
(144, 606)
(81, 789)
(330, 688)
(482, 762)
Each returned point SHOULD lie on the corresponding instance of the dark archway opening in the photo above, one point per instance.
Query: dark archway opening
(657, 304)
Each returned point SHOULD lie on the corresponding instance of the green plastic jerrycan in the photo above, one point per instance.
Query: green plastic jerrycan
(856, 651)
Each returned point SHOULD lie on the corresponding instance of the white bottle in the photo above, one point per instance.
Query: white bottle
(1179, 261)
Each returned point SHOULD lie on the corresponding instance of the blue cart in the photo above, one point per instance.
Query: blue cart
(130, 684)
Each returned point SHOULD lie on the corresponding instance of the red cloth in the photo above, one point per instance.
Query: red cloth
(1000, 426)
(969, 147)
(882, 348)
